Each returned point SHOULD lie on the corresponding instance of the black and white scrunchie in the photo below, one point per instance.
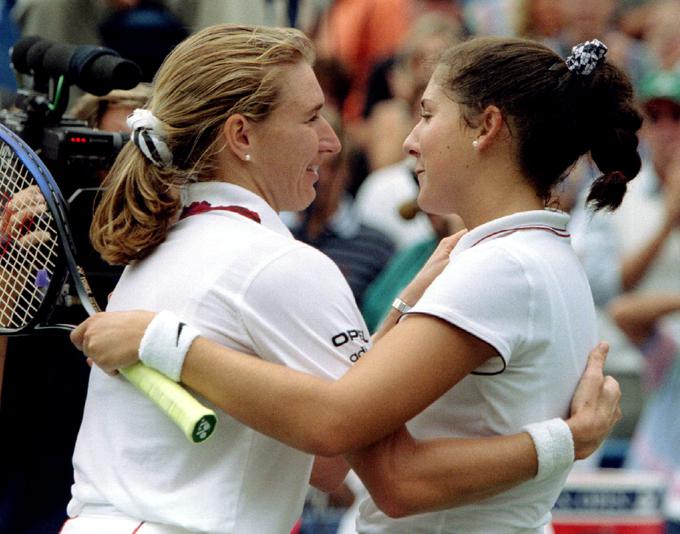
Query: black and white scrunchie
(586, 56)
(148, 136)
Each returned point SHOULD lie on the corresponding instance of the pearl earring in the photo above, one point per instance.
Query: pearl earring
(475, 143)
(247, 157)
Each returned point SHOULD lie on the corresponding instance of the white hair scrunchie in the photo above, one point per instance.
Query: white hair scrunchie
(148, 136)
(586, 56)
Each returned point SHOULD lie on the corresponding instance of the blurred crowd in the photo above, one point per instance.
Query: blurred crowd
(374, 60)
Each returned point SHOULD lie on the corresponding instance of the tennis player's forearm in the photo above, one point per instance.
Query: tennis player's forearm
(444, 473)
(250, 390)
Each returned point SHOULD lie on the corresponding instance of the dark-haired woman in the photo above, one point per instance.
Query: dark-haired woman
(499, 340)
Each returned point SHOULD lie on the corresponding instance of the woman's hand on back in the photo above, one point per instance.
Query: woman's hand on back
(111, 339)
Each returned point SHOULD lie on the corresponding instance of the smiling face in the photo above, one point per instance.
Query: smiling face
(441, 142)
(291, 143)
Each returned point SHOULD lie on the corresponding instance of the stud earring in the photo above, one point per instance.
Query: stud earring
(475, 143)
(247, 157)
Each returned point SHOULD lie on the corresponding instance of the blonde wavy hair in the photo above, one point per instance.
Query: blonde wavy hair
(215, 73)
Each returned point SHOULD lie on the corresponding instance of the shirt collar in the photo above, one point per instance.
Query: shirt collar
(551, 220)
(226, 194)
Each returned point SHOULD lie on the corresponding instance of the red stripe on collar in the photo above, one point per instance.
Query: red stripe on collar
(196, 208)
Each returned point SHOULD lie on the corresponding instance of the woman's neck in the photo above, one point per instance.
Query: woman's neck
(499, 196)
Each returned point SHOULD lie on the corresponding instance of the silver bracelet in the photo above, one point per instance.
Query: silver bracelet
(400, 306)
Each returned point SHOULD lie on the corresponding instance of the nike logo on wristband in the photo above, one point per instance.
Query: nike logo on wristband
(180, 326)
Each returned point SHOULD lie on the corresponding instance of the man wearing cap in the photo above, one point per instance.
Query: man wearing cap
(649, 218)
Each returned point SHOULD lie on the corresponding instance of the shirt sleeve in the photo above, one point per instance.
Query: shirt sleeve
(486, 292)
(300, 312)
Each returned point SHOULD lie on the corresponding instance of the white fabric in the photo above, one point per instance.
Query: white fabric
(524, 292)
(106, 520)
(554, 446)
(248, 286)
(143, 118)
(165, 344)
(381, 195)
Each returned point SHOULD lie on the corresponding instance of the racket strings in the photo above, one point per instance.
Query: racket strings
(28, 243)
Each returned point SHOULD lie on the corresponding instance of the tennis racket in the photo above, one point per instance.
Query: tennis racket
(37, 255)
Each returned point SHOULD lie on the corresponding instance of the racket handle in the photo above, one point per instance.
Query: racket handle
(195, 420)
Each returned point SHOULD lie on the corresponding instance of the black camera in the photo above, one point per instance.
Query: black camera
(66, 146)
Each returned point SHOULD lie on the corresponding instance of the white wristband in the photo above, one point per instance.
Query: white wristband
(165, 343)
(554, 446)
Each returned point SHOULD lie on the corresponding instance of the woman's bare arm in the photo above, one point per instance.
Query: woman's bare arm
(412, 366)
(404, 476)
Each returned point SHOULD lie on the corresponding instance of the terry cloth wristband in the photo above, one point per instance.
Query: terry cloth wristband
(165, 344)
(554, 446)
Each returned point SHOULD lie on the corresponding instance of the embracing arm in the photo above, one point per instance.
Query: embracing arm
(413, 365)
(254, 390)
(405, 476)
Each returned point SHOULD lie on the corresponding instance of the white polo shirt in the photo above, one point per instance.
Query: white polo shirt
(517, 284)
(248, 286)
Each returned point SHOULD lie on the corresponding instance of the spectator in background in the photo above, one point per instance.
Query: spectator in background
(647, 224)
(642, 316)
(661, 34)
(45, 378)
(586, 19)
(390, 186)
(651, 251)
(388, 112)
(360, 33)
(330, 223)
(537, 19)
(641, 243)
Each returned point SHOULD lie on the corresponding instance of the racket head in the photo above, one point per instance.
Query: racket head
(36, 247)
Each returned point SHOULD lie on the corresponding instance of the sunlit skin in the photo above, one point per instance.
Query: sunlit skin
(287, 148)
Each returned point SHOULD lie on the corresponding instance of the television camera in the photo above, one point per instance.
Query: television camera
(67, 146)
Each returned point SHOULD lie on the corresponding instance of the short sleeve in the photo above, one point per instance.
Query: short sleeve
(300, 312)
(486, 292)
